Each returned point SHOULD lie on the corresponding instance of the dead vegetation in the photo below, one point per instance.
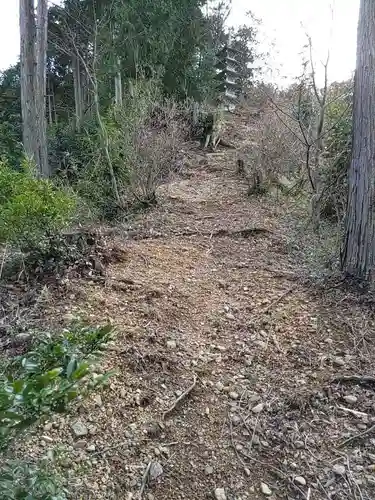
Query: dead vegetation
(240, 373)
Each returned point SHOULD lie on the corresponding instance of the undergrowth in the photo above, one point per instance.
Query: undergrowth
(56, 371)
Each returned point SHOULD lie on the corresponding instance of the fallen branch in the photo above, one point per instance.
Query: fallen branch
(144, 480)
(279, 299)
(357, 379)
(356, 413)
(180, 398)
(367, 431)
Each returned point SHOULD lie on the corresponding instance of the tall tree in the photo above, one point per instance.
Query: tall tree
(33, 34)
(359, 241)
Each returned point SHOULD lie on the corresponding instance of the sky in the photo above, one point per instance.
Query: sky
(330, 24)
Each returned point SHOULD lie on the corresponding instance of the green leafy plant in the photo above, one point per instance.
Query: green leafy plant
(44, 381)
(31, 209)
(31, 481)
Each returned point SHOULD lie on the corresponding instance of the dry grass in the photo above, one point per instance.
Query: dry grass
(244, 316)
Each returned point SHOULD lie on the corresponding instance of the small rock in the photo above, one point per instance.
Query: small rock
(80, 445)
(261, 344)
(234, 395)
(300, 480)
(219, 386)
(91, 448)
(247, 471)
(236, 420)
(79, 428)
(265, 489)
(172, 344)
(339, 469)
(351, 399)
(208, 470)
(230, 316)
(338, 361)
(220, 494)
(98, 400)
(48, 426)
(299, 444)
(156, 470)
(258, 408)
(48, 439)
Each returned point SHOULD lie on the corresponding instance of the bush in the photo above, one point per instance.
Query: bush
(58, 370)
(31, 209)
(143, 139)
(31, 481)
(48, 378)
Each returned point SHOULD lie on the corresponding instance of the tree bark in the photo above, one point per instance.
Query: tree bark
(77, 91)
(33, 56)
(41, 84)
(118, 84)
(358, 245)
(27, 67)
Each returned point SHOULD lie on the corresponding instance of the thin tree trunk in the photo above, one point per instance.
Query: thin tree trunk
(118, 84)
(40, 91)
(27, 65)
(77, 91)
(358, 247)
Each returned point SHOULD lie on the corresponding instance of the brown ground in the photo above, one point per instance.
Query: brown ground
(198, 298)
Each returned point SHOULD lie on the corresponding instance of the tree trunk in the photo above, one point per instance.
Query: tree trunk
(77, 91)
(33, 55)
(27, 66)
(118, 84)
(358, 245)
(40, 91)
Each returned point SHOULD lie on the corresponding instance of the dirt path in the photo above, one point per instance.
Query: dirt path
(198, 298)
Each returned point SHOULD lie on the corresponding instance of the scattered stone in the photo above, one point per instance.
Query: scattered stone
(91, 448)
(258, 408)
(156, 470)
(230, 316)
(208, 470)
(80, 445)
(351, 399)
(98, 400)
(171, 344)
(234, 395)
(48, 426)
(47, 439)
(299, 444)
(261, 344)
(338, 361)
(300, 480)
(220, 494)
(339, 469)
(79, 428)
(219, 386)
(236, 420)
(265, 489)
(256, 440)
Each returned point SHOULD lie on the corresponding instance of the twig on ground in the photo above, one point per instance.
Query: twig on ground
(110, 448)
(279, 472)
(279, 299)
(180, 398)
(358, 379)
(353, 412)
(357, 436)
(144, 480)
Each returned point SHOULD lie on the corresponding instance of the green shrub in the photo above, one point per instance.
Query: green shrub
(31, 209)
(45, 380)
(31, 481)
